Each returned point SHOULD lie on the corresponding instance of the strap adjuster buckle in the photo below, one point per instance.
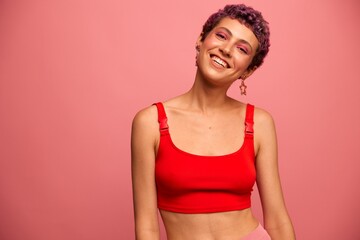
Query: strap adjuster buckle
(163, 125)
(249, 128)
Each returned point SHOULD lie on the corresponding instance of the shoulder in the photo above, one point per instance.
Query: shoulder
(264, 131)
(262, 117)
(145, 119)
(264, 126)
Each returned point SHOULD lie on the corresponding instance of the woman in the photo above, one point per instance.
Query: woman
(197, 156)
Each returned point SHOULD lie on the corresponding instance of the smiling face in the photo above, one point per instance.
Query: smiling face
(227, 51)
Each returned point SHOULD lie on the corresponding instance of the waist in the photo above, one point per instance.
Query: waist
(209, 226)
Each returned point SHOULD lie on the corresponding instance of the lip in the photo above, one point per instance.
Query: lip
(215, 64)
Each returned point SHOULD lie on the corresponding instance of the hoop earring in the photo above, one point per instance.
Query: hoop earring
(243, 87)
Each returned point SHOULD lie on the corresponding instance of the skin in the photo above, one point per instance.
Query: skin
(205, 115)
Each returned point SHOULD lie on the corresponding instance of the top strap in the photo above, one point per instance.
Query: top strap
(162, 119)
(249, 120)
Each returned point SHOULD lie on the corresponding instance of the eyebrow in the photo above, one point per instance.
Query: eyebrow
(241, 40)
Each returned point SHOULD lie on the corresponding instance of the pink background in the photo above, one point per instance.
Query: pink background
(74, 73)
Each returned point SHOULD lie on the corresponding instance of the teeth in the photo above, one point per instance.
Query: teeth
(219, 61)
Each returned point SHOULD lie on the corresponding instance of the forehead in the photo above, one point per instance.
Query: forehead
(238, 30)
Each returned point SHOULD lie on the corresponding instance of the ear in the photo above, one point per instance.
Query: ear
(199, 42)
(248, 73)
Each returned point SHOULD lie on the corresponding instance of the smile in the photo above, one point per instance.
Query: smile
(219, 61)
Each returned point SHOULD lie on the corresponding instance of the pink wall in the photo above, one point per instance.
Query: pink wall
(73, 74)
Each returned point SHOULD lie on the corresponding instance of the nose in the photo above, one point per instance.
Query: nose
(226, 50)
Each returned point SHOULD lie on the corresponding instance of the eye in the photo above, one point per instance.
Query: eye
(243, 49)
(221, 36)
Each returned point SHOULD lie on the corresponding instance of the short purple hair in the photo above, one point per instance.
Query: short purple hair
(249, 17)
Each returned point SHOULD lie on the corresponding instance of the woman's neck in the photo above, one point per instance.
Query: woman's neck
(205, 97)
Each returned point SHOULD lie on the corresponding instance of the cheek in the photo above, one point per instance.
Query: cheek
(209, 42)
(242, 63)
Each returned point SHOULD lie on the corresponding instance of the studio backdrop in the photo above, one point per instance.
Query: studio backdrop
(74, 73)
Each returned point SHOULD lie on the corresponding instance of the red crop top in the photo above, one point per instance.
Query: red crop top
(189, 183)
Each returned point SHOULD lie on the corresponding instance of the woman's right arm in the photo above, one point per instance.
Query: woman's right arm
(144, 138)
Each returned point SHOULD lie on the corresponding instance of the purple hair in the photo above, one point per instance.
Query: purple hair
(249, 17)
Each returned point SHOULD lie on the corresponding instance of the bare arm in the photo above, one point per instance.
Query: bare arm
(143, 145)
(276, 219)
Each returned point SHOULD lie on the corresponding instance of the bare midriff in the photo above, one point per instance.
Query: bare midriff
(209, 226)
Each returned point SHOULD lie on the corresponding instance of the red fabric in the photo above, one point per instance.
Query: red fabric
(190, 183)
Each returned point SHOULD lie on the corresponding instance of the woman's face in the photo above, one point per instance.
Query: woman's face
(227, 51)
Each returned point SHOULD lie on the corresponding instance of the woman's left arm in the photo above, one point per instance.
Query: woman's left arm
(276, 219)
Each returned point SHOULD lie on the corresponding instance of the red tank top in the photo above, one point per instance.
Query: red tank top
(189, 183)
